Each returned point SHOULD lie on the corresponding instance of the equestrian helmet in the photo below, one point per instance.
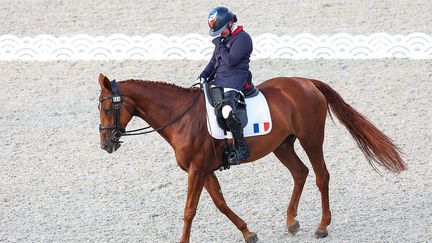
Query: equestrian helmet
(218, 20)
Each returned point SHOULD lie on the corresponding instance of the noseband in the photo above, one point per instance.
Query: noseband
(118, 130)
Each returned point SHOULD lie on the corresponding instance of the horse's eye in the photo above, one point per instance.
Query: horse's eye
(108, 111)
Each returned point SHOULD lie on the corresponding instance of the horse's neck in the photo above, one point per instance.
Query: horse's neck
(159, 104)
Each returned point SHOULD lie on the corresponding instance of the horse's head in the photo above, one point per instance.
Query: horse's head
(114, 115)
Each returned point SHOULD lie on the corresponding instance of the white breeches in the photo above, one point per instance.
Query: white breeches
(226, 111)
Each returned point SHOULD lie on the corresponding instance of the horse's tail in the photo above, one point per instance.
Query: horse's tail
(375, 145)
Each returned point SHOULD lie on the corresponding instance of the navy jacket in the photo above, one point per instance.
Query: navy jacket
(231, 60)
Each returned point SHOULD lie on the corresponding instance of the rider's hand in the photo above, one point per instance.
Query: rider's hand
(200, 80)
(216, 41)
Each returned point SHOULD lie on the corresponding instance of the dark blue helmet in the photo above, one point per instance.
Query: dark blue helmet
(218, 19)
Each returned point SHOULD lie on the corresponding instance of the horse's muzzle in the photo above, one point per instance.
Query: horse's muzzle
(110, 145)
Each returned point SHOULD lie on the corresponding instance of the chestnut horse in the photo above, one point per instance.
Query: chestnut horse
(298, 108)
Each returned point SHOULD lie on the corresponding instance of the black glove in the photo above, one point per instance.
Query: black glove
(200, 80)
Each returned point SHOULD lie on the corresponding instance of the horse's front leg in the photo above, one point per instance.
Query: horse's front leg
(213, 188)
(196, 180)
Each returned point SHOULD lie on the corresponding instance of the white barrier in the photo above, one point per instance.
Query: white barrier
(198, 47)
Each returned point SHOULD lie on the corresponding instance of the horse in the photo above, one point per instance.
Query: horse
(298, 108)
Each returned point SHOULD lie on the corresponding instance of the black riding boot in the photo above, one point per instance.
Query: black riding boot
(236, 129)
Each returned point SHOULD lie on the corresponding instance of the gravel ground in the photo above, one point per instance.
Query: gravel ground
(97, 17)
(58, 185)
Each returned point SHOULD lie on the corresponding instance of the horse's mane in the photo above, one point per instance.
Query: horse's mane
(158, 84)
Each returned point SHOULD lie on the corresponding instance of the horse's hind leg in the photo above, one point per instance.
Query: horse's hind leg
(212, 186)
(313, 149)
(286, 154)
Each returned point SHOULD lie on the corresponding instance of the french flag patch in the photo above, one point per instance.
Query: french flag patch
(261, 127)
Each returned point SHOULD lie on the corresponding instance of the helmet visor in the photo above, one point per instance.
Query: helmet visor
(216, 33)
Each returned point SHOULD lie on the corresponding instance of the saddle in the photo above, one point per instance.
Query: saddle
(256, 122)
(218, 100)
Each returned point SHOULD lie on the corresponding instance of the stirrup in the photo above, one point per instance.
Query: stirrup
(233, 158)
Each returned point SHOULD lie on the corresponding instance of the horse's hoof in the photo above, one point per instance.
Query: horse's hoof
(253, 238)
(293, 229)
(319, 233)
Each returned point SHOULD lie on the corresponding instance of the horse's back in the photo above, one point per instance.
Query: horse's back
(304, 105)
(293, 86)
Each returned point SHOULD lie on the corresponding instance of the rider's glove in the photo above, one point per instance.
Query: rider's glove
(216, 41)
(200, 80)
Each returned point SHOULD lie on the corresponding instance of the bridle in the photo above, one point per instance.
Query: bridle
(114, 138)
(118, 130)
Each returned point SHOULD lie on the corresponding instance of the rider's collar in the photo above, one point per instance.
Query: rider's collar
(235, 29)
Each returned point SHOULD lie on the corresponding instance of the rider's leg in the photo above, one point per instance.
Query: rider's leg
(229, 112)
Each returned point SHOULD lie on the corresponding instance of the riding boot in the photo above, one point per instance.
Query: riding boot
(242, 149)
(234, 124)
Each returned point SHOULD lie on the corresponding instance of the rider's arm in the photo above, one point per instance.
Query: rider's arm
(209, 68)
(240, 48)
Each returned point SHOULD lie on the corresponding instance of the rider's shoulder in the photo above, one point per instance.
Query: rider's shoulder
(244, 36)
(240, 33)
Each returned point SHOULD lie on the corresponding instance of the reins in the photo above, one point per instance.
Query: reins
(119, 131)
(116, 99)
(133, 132)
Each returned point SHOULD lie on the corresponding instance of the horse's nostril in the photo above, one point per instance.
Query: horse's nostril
(104, 146)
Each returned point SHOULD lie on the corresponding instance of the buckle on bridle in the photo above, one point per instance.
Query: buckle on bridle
(116, 99)
(117, 134)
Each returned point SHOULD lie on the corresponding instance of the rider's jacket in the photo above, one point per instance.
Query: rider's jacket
(231, 60)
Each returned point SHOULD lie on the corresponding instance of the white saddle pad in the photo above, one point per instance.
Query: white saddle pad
(258, 113)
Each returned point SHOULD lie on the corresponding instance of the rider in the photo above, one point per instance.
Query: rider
(230, 64)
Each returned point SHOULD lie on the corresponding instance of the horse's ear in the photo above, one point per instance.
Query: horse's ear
(104, 82)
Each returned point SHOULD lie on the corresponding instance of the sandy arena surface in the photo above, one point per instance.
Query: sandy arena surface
(57, 185)
(33, 17)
